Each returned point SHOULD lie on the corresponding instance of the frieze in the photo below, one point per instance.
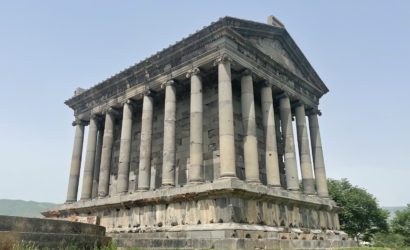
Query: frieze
(180, 54)
(138, 73)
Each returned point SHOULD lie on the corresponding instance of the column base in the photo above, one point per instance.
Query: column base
(323, 196)
(253, 182)
(228, 176)
(194, 182)
(294, 190)
(166, 186)
(310, 193)
(276, 187)
(121, 193)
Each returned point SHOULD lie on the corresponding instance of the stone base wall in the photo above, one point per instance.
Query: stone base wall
(216, 210)
(223, 201)
(52, 234)
(234, 237)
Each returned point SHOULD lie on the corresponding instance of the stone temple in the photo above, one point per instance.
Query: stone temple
(195, 146)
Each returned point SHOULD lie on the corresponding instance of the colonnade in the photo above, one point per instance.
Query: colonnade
(100, 142)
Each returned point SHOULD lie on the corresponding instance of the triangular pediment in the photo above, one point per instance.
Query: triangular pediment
(275, 50)
(274, 41)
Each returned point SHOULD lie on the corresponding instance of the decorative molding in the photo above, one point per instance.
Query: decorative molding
(95, 115)
(266, 83)
(98, 119)
(168, 83)
(113, 112)
(224, 58)
(298, 103)
(313, 111)
(212, 39)
(281, 95)
(194, 71)
(246, 72)
(80, 122)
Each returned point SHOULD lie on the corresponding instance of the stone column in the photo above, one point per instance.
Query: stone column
(196, 171)
(146, 140)
(318, 160)
(168, 159)
(76, 161)
(225, 113)
(106, 153)
(271, 152)
(125, 149)
(304, 151)
(97, 161)
(89, 160)
(292, 180)
(250, 141)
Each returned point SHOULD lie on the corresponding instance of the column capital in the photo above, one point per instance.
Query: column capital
(113, 112)
(313, 111)
(282, 95)
(246, 72)
(95, 115)
(266, 83)
(194, 71)
(299, 103)
(146, 92)
(79, 121)
(224, 58)
(168, 83)
(130, 102)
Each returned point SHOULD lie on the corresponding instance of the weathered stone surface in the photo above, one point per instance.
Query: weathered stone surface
(48, 233)
(203, 159)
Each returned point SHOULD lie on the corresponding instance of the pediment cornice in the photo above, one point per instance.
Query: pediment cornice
(184, 52)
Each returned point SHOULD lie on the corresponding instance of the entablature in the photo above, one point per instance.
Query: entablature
(197, 50)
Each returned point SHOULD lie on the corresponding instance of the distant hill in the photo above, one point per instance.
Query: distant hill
(24, 208)
(392, 211)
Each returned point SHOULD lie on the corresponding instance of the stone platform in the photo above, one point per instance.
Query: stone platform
(234, 236)
(226, 214)
(222, 201)
(52, 234)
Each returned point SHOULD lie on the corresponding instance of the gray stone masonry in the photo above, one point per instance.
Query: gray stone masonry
(197, 142)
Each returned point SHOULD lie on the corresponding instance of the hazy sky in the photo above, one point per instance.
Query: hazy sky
(361, 50)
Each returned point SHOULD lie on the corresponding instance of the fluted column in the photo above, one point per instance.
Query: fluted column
(168, 164)
(146, 140)
(304, 151)
(97, 161)
(225, 113)
(196, 171)
(292, 179)
(318, 160)
(125, 148)
(106, 153)
(75, 161)
(271, 152)
(250, 141)
(89, 159)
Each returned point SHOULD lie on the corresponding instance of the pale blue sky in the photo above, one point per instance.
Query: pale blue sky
(361, 50)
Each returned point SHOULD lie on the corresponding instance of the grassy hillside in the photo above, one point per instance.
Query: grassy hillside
(23, 208)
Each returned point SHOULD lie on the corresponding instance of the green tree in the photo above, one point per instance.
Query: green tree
(401, 224)
(390, 240)
(361, 216)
